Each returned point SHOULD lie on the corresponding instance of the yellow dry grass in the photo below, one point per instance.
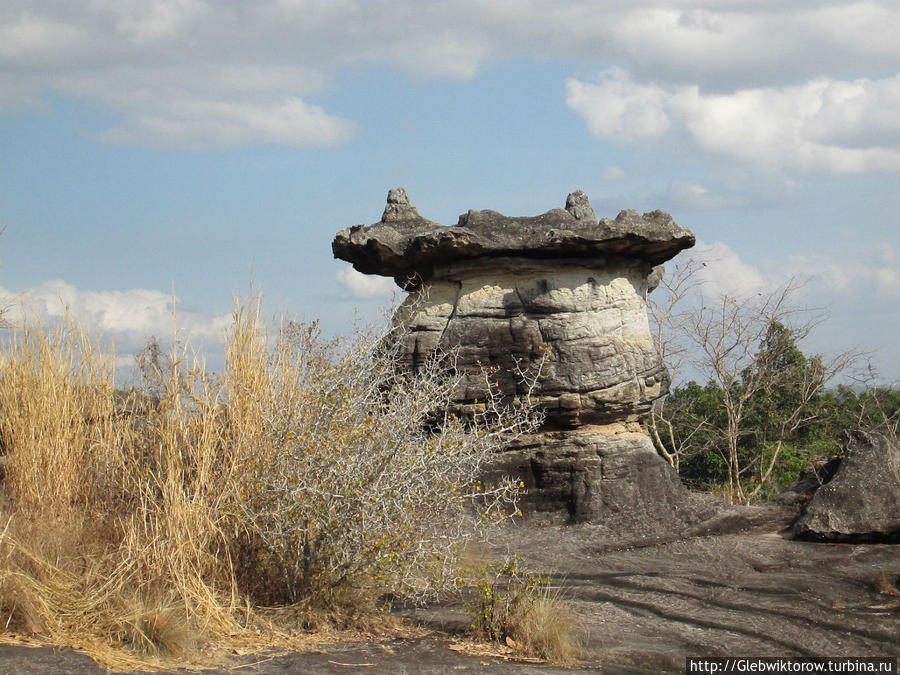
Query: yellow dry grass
(151, 527)
(119, 512)
(522, 614)
(545, 626)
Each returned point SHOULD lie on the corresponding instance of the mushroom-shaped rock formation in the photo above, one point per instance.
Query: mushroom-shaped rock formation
(412, 249)
(500, 289)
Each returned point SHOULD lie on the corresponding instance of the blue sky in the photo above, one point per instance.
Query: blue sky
(152, 145)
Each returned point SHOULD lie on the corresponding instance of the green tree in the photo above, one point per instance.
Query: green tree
(762, 393)
(692, 422)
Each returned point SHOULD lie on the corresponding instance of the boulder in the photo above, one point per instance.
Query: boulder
(503, 292)
(861, 501)
(797, 495)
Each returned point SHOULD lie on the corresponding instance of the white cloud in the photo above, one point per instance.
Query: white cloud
(613, 173)
(197, 124)
(839, 276)
(201, 72)
(866, 272)
(156, 20)
(127, 318)
(619, 108)
(695, 197)
(888, 279)
(722, 272)
(823, 125)
(30, 38)
(362, 285)
(736, 44)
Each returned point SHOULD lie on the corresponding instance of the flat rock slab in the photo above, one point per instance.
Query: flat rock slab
(645, 608)
(15, 660)
(424, 655)
(405, 245)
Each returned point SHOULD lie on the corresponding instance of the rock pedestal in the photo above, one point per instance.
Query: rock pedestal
(501, 290)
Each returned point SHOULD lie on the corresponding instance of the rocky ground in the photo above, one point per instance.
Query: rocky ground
(646, 609)
(644, 606)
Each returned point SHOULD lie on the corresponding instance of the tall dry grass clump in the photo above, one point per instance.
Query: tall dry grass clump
(525, 613)
(311, 474)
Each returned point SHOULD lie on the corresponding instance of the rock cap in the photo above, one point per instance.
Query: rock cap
(405, 245)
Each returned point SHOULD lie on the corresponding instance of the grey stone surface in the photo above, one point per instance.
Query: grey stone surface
(578, 205)
(407, 246)
(506, 291)
(862, 498)
(600, 473)
(603, 366)
(797, 495)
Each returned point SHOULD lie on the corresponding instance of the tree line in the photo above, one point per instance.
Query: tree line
(757, 410)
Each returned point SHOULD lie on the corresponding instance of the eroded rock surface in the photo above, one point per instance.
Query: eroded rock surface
(506, 290)
(861, 499)
(602, 473)
(604, 367)
(407, 246)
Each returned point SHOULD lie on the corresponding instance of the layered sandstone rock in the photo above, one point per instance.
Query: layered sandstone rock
(502, 290)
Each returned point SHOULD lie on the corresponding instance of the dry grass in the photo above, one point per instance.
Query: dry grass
(109, 505)
(145, 527)
(545, 626)
(525, 613)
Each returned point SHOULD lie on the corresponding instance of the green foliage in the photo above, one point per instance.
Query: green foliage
(785, 426)
(876, 408)
(694, 413)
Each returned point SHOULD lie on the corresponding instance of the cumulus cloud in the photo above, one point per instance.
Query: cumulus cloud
(822, 125)
(868, 271)
(199, 72)
(127, 318)
(612, 173)
(722, 271)
(198, 124)
(725, 45)
(619, 108)
(361, 285)
(695, 197)
(841, 276)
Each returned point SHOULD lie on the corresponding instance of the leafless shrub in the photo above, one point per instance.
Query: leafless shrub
(745, 347)
(309, 472)
(362, 475)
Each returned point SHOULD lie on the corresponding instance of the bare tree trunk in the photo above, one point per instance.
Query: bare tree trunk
(732, 341)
